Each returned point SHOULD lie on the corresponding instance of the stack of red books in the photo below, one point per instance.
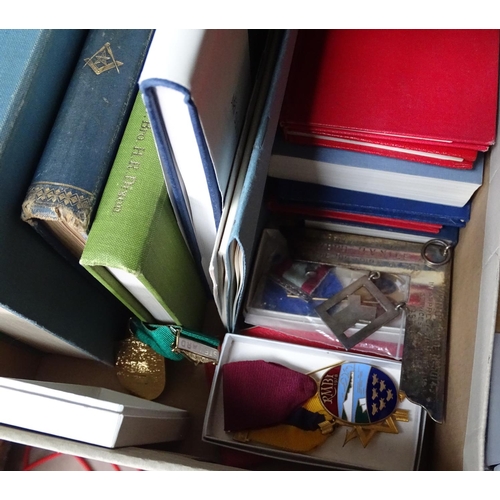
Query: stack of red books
(421, 95)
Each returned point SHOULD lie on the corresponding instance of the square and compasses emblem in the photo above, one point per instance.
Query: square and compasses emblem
(103, 60)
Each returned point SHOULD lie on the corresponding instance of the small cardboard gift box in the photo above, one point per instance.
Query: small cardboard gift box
(386, 445)
(88, 414)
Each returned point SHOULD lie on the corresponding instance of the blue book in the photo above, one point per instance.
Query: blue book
(196, 85)
(316, 195)
(66, 188)
(375, 174)
(232, 259)
(44, 300)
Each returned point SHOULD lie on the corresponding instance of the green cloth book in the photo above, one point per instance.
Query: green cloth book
(134, 247)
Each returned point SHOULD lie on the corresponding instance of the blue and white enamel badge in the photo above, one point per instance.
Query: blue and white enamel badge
(362, 397)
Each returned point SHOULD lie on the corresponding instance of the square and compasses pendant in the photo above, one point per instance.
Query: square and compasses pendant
(339, 321)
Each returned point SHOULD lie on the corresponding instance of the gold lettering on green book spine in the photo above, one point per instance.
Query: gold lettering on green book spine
(133, 164)
(142, 235)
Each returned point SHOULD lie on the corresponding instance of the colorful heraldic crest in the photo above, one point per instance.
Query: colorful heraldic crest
(362, 397)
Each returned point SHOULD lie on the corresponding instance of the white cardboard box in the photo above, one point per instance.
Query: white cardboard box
(92, 415)
(385, 451)
(488, 237)
(458, 443)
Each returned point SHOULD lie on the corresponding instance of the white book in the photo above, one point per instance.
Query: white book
(196, 85)
(375, 174)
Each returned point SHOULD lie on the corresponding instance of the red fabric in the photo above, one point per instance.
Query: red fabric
(315, 339)
(261, 394)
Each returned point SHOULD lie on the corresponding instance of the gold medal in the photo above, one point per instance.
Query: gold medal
(140, 369)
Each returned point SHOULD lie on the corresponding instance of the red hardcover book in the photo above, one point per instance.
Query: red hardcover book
(448, 147)
(405, 153)
(339, 215)
(428, 86)
(466, 152)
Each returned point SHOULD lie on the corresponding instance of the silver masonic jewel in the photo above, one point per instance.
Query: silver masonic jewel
(340, 321)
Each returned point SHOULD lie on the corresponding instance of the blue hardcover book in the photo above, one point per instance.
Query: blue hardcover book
(196, 85)
(63, 197)
(375, 174)
(234, 249)
(297, 194)
(44, 300)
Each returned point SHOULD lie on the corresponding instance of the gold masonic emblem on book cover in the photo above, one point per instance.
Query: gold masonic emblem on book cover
(103, 60)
